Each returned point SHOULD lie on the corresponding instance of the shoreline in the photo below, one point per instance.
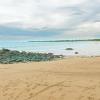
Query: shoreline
(12, 56)
(69, 48)
(55, 60)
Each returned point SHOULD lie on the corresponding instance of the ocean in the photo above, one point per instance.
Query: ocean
(84, 48)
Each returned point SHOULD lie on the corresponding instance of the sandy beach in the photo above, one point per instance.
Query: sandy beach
(75, 78)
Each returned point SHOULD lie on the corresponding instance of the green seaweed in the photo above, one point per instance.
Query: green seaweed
(12, 56)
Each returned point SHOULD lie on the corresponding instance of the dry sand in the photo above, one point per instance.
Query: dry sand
(73, 78)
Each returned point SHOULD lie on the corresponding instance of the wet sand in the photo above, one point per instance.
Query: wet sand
(73, 78)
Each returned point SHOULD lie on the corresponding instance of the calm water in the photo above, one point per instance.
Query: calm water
(84, 48)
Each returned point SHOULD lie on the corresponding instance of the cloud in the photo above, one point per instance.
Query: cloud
(53, 18)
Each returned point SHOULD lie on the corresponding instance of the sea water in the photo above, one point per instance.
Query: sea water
(84, 48)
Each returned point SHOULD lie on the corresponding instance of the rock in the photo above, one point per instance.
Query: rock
(76, 53)
(69, 49)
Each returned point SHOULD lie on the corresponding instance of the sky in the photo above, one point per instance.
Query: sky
(49, 19)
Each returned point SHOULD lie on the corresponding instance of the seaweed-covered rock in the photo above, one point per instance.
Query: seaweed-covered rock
(69, 49)
(8, 56)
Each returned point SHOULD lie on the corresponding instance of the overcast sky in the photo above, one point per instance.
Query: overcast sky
(49, 19)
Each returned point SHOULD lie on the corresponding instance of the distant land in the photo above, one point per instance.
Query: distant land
(67, 40)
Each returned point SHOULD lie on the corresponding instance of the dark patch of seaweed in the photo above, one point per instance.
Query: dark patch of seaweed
(12, 56)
